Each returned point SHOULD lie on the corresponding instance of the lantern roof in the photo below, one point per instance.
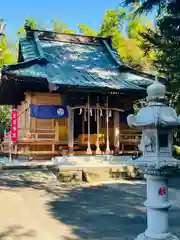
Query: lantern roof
(157, 113)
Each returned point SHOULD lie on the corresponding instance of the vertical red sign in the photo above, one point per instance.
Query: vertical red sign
(14, 125)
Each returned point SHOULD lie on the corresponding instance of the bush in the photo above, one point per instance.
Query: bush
(176, 151)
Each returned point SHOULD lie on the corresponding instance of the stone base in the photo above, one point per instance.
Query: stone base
(88, 151)
(98, 152)
(143, 237)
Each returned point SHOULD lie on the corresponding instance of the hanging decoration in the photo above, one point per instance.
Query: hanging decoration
(110, 113)
(101, 113)
(91, 112)
(14, 126)
(80, 111)
(85, 117)
(95, 115)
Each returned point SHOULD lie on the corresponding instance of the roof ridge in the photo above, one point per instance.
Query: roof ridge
(108, 48)
(30, 47)
(70, 34)
(38, 47)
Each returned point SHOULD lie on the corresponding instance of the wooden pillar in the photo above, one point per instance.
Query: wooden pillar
(29, 119)
(70, 130)
(83, 123)
(107, 127)
(56, 130)
(98, 150)
(89, 151)
(116, 130)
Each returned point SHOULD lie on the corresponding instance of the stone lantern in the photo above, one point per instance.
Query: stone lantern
(157, 163)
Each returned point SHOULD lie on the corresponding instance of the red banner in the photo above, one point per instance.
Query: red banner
(14, 125)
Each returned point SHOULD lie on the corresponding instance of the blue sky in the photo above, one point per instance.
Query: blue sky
(71, 12)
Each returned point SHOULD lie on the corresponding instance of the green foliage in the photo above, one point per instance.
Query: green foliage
(6, 52)
(6, 57)
(176, 152)
(31, 22)
(56, 26)
(146, 6)
(60, 27)
(112, 22)
(129, 45)
(86, 31)
(164, 41)
(5, 116)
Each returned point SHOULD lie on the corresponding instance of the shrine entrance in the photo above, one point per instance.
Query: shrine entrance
(81, 124)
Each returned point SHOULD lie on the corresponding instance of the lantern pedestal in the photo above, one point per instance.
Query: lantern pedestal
(143, 237)
(157, 205)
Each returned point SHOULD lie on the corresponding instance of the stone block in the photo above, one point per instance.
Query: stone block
(70, 176)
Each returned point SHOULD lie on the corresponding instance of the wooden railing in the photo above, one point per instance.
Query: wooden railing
(39, 134)
(129, 140)
(130, 135)
(127, 137)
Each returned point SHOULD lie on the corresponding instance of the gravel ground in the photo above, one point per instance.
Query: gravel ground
(34, 205)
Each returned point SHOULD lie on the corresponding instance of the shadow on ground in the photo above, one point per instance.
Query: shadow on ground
(109, 212)
(16, 232)
(101, 213)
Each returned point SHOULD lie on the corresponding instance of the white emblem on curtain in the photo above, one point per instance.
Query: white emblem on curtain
(60, 111)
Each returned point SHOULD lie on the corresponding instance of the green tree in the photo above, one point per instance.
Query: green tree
(165, 41)
(7, 56)
(60, 27)
(7, 53)
(86, 31)
(31, 22)
(146, 6)
(125, 30)
(5, 117)
(56, 26)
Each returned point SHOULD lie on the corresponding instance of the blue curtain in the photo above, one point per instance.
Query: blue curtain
(48, 111)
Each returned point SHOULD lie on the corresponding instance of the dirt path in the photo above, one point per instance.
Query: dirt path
(36, 206)
(24, 210)
(24, 215)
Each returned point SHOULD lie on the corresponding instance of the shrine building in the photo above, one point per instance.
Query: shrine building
(72, 94)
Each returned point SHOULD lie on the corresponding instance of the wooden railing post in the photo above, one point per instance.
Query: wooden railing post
(107, 126)
(89, 151)
(116, 130)
(70, 130)
(98, 150)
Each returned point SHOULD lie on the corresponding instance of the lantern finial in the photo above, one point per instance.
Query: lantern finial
(156, 92)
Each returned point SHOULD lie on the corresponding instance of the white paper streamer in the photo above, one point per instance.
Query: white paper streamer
(80, 111)
(95, 115)
(85, 117)
(91, 112)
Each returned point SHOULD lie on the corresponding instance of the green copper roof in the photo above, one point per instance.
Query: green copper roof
(74, 61)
